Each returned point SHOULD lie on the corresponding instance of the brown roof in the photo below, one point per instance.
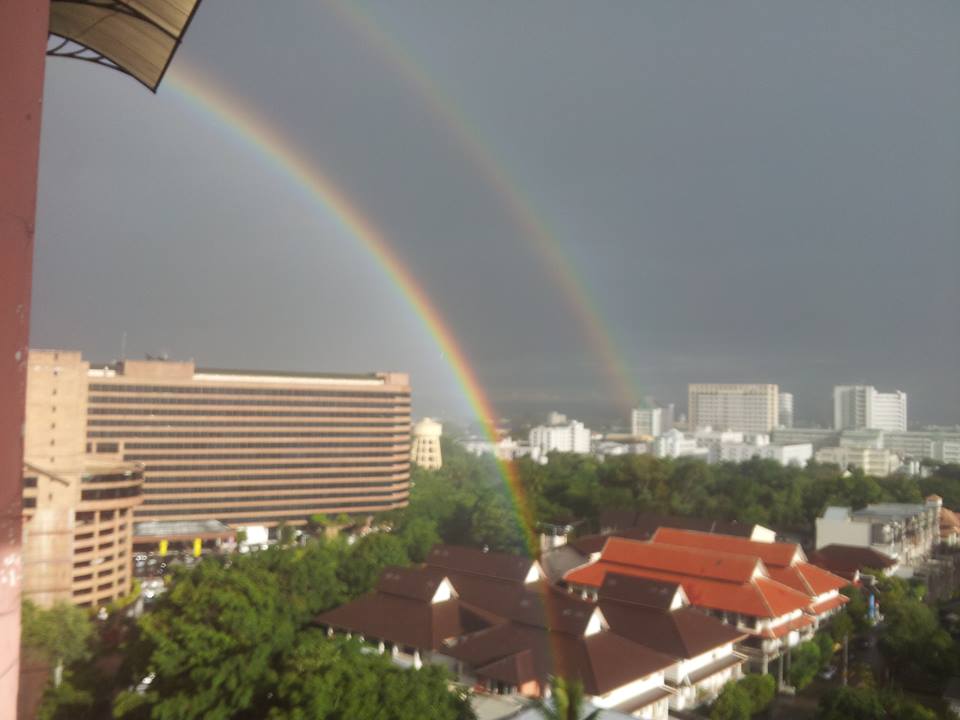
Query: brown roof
(415, 583)
(682, 634)
(775, 554)
(639, 591)
(404, 620)
(603, 661)
(477, 562)
(648, 523)
(847, 559)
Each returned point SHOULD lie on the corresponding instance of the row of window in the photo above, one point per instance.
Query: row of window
(360, 425)
(304, 508)
(123, 434)
(139, 457)
(111, 493)
(194, 479)
(113, 477)
(401, 446)
(403, 415)
(220, 502)
(230, 489)
(153, 468)
(121, 400)
(215, 390)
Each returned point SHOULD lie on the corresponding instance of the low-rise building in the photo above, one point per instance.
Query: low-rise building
(878, 463)
(848, 561)
(797, 455)
(905, 532)
(737, 589)
(572, 437)
(499, 626)
(674, 444)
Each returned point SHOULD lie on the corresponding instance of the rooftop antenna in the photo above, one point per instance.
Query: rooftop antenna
(123, 346)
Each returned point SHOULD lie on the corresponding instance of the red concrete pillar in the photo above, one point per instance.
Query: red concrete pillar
(23, 40)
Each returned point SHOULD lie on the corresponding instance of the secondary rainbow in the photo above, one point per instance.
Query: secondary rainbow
(533, 227)
(272, 148)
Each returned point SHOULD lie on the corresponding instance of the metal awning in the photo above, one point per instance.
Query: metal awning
(137, 37)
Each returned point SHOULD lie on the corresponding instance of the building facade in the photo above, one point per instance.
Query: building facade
(647, 422)
(572, 438)
(78, 508)
(785, 400)
(745, 407)
(425, 451)
(241, 447)
(878, 463)
(857, 407)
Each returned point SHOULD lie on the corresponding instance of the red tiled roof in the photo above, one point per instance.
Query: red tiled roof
(761, 597)
(820, 580)
(477, 562)
(949, 522)
(695, 562)
(772, 554)
(827, 605)
(780, 630)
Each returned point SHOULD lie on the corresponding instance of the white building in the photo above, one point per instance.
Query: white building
(857, 407)
(504, 449)
(425, 449)
(906, 532)
(797, 455)
(785, 417)
(747, 407)
(572, 438)
(647, 422)
(674, 444)
(878, 463)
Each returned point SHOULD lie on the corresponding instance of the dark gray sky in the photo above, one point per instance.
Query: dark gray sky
(761, 191)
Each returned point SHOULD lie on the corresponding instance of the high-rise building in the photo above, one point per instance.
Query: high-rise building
(425, 451)
(572, 438)
(78, 508)
(744, 407)
(246, 447)
(857, 407)
(785, 401)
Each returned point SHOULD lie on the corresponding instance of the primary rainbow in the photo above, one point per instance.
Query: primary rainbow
(272, 148)
(534, 228)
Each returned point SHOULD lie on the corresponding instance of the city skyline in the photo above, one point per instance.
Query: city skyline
(690, 239)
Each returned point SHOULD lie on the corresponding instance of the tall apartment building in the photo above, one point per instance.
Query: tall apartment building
(572, 437)
(246, 447)
(858, 407)
(745, 407)
(425, 451)
(785, 419)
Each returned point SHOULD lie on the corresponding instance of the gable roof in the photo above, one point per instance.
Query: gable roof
(695, 562)
(465, 560)
(847, 559)
(731, 583)
(681, 634)
(640, 591)
(774, 554)
(409, 582)
(517, 653)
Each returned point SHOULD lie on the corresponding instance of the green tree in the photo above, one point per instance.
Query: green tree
(733, 703)
(847, 703)
(367, 558)
(212, 642)
(566, 701)
(804, 664)
(60, 635)
(419, 537)
(761, 689)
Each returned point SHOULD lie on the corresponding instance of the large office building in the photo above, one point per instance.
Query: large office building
(857, 407)
(744, 407)
(244, 447)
